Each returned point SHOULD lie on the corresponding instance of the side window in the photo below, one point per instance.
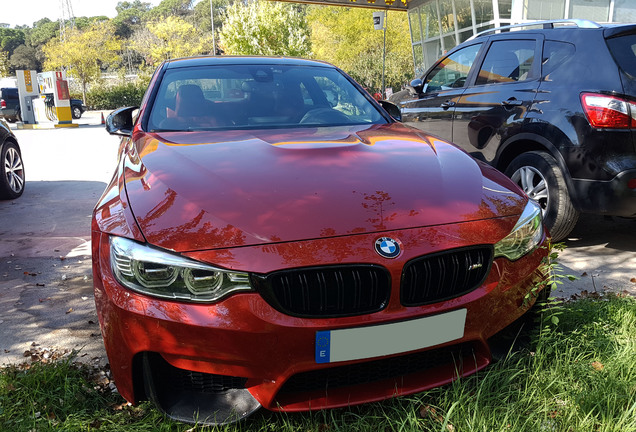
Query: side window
(453, 70)
(554, 54)
(507, 61)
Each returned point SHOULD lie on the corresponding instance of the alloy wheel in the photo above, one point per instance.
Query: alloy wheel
(14, 170)
(533, 184)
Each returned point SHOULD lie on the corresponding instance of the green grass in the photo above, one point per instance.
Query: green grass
(577, 375)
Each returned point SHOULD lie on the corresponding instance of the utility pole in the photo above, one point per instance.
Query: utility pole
(66, 14)
(213, 35)
(384, 55)
(379, 23)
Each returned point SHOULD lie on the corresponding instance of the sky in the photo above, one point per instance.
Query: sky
(26, 12)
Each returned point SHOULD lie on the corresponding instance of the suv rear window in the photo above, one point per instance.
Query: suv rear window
(623, 48)
(9, 93)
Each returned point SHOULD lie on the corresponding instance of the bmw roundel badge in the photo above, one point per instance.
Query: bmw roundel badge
(387, 247)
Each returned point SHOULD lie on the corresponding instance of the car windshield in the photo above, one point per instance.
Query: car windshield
(258, 96)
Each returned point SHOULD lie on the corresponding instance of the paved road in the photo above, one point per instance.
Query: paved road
(45, 275)
(46, 294)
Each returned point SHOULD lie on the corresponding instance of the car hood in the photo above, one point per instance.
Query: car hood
(217, 189)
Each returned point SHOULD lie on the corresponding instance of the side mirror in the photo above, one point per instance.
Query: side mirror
(120, 122)
(416, 87)
(392, 109)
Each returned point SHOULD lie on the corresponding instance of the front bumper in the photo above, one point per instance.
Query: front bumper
(243, 340)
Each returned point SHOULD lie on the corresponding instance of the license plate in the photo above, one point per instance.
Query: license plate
(386, 339)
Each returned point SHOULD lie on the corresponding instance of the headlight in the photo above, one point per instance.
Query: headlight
(525, 236)
(161, 274)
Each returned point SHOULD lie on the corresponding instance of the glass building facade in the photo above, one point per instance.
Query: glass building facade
(439, 25)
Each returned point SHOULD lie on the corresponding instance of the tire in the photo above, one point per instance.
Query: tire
(540, 177)
(12, 172)
(76, 112)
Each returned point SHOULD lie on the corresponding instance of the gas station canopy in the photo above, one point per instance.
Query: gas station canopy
(371, 4)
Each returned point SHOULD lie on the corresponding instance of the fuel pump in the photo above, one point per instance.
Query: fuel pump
(56, 101)
(27, 91)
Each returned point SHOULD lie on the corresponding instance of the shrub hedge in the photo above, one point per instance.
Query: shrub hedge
(121, 95)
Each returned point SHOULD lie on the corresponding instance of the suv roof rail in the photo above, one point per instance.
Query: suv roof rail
(580, 23)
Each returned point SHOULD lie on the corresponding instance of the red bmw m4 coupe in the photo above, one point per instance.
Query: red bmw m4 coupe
(274, 237)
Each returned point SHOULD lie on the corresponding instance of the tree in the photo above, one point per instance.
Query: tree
(43, 31)
(346, 38)
(265, 28)
(4, 64)
(26, 58)
(201, 15)
(171, 8)
(85, 53)
(130, 16)
(83, 23)
(172, 37)
(10, 39)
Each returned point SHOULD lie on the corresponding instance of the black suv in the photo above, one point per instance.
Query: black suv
(10, 105)
(552, 104)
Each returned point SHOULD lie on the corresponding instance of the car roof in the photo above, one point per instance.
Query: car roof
(548, 27)
(241, 60)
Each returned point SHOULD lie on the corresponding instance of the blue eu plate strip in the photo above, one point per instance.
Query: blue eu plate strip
(323, 346)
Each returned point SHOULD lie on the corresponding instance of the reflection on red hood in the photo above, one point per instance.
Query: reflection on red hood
(205, 190)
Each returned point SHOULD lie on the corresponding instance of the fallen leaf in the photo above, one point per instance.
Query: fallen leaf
(69, 311)
(584, 274)
(633, 280)
(429, 411)
(598, 366)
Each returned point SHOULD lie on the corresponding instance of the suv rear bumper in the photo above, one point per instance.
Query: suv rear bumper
(613, 197)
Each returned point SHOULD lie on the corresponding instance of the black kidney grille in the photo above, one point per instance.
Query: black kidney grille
(327, 291)
(442, 276)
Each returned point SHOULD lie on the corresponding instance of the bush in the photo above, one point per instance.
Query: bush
(109, 98)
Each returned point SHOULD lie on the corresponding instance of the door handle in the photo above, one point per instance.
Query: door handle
(447, 104)
(512, 102)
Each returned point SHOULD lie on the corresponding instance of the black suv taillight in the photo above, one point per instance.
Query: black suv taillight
(3, 103)
(608, 112)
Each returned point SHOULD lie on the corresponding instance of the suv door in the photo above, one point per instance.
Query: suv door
(432, 109)
(495, 106)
